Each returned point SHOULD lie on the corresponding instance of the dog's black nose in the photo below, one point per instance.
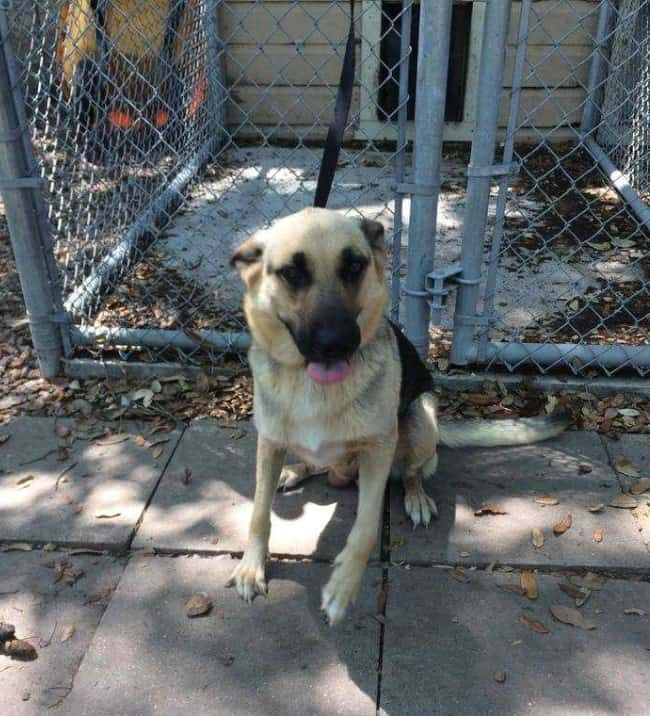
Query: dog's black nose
(335, 338)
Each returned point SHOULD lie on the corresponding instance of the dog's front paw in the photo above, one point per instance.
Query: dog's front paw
(248, 577)
(342, 589)
(418, 505)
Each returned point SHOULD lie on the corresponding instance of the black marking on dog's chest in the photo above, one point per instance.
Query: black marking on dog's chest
(416, 378)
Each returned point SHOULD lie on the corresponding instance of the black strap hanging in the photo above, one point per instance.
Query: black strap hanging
(339, 121)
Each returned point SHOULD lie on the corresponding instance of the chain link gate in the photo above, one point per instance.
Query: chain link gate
(165, 132)
(563, 279)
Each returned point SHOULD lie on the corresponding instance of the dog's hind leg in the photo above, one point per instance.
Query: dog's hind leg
(417, 458)
(248, 576)
(417, 504)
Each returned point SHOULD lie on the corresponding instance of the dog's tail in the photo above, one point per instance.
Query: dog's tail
(501, 433)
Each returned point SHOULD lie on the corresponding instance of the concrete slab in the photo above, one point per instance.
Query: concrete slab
(511, 478)
(634, 449)
(46, 611)
(212, 511)
(276, 656)
(90, 493)
(444, 641)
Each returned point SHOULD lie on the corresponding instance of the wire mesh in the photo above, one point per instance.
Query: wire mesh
(118, 96)
(570, 267)
(169, 130)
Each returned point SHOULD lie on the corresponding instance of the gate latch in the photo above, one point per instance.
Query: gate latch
(437, 286)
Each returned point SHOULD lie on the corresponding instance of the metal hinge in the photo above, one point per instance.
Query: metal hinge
(437, 286)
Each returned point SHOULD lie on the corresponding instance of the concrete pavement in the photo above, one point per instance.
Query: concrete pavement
(105, 536)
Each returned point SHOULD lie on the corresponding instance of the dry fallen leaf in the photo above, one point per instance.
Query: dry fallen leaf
(584, 468)
(141, 441)
(568, 615)
(629, 412)
(640, 486)
(529, 585)
(7, 631)
(500, 677)
(625, 467)
(488, 508)
(533, 624)
(66, 571)
(68, 632)
(624, 502)
(62, 431)
(589, 581)
(598, 535)
(20, 649)
(157, 451)
(25, 481)
(563, 525)
(537, 537)
(458, 573)
(198, 605)
(107, 515)
(17, 547)
(573, 591)
(597, 508)
(113, 439)
(636, 611)
(547, 500)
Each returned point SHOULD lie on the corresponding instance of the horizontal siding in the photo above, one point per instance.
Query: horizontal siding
(308, 105)
(282, 67)
(282, 23)
(574, 22)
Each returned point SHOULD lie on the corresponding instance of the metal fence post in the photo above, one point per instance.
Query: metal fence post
(214, 61)
(25, 211)
(480, 173)
(598, 68)
(431, 91)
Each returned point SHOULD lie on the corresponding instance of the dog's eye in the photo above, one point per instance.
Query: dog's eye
(293, 277)
(352, 269)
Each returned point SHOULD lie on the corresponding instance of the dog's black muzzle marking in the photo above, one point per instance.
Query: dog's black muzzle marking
(332, 335)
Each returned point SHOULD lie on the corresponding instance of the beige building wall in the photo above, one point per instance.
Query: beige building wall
(283, 70)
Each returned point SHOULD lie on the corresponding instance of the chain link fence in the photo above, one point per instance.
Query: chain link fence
(567, 274)
(167, 131)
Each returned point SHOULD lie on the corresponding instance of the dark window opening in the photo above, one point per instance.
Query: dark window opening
(389, 52)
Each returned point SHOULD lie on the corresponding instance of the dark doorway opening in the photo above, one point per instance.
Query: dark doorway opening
(389, 69)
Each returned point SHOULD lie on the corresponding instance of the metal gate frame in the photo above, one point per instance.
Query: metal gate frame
(471, 328)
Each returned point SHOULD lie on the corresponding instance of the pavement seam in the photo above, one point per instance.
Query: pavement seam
(127, 559)
(149, 500)
(610, 460)
(384, 554)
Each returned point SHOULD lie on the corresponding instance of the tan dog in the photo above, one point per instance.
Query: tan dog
(337, 384)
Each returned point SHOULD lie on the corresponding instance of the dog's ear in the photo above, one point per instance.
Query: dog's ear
(374, 233)
(247, 259)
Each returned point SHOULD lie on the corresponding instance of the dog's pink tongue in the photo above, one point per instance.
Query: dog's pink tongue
(329, 374)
